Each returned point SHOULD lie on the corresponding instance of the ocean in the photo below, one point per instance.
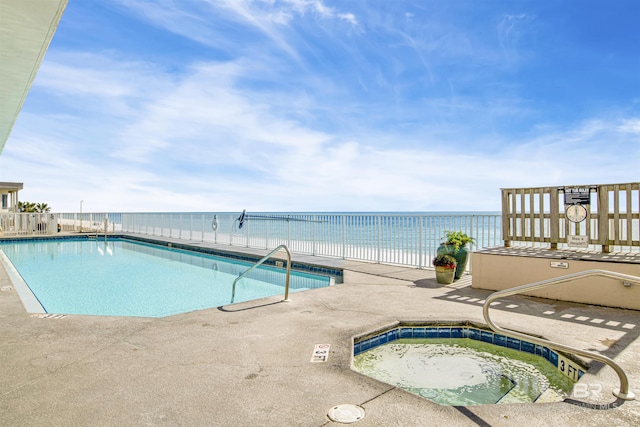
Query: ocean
(400, 238)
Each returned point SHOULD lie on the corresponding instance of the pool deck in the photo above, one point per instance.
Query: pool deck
(249, 364)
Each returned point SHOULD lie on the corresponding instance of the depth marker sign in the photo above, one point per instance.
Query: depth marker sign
(320, 353)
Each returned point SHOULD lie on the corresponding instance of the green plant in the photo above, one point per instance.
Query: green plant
(457, 239)
(446, 261)
(33, 207)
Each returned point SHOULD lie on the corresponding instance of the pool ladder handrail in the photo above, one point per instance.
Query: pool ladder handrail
(258, 264)
(624, 392)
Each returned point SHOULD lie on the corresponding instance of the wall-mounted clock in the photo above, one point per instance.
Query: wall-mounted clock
(576, 213)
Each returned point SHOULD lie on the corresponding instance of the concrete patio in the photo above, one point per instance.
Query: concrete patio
(249, 364)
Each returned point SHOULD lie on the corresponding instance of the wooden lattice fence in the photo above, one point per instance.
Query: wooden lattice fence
(539, 215)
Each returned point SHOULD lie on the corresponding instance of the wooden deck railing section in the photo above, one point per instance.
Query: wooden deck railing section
(537, 215)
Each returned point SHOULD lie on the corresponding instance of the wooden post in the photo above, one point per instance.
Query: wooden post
(603, 218)
(554, 212)
(506, 217)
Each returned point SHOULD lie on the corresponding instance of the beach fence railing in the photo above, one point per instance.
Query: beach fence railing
(33, 223)
(26, 224)
(404, 239)
(390, 238)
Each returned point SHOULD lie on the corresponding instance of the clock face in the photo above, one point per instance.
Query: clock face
(576, 213)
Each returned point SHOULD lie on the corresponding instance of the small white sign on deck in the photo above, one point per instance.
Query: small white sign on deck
(320, 353)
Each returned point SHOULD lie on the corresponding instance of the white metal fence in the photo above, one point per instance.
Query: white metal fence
(405, 239)
(33, 224)
(26, 224)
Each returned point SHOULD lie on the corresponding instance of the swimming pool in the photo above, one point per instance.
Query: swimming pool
(460, 366)
(121, 277)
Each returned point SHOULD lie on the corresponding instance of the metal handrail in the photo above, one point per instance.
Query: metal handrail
(624, 392)
(266, 257)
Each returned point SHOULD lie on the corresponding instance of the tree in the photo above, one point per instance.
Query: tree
(33, 207)
(26, 207)
(42, 208)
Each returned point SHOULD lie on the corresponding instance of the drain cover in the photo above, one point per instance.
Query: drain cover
(346, 413)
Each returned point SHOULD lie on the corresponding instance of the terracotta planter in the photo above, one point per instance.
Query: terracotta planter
(445, 275)
(462, 256)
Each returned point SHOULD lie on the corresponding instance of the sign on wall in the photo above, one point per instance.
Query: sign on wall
(576, 195)
(578, 241)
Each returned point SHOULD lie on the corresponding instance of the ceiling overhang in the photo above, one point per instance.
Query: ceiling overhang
(26, 29)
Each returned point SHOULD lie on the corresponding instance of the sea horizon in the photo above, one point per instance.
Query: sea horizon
(475, 212)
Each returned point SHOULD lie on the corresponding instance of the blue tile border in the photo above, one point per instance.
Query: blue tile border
(486, 336)
(406, 333)
(337, 273)
(528, 347)
(444, 332)
(513, 343)
(14, 239)
(474, 334)
(500, 340)
(477, 334)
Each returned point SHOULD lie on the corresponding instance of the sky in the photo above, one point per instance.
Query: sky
(327, 105)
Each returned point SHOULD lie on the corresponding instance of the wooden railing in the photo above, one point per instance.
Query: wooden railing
(538, 215)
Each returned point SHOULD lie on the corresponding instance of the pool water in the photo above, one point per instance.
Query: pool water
(125, 278)
(462, 372)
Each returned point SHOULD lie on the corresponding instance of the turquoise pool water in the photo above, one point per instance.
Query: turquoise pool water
(125, 278)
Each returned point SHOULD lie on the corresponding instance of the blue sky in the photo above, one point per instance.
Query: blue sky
(328, 105)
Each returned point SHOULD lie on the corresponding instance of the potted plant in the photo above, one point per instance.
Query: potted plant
(455, 244)
(445, 268)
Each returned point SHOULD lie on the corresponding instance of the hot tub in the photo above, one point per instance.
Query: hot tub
(465, 364)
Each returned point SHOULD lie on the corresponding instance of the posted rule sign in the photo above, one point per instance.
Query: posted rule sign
(577, 196)
(320, 353)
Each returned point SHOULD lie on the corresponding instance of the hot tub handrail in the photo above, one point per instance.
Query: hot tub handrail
(256, 265)
(624, 392)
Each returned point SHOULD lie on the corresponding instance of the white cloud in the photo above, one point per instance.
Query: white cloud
(208, 23)
(511, 29)
(275, 109)
(349, 17)
(630, 126)
(205, 111)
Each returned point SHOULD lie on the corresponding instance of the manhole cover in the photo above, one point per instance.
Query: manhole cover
(346, 413)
